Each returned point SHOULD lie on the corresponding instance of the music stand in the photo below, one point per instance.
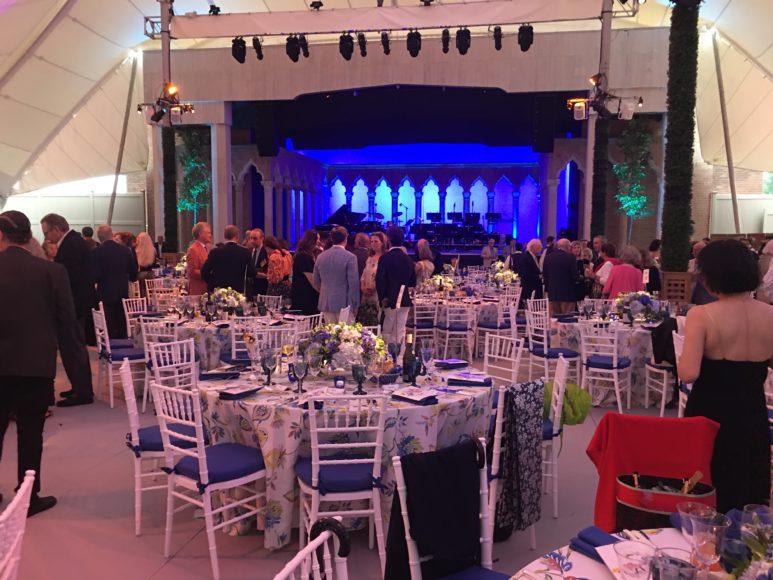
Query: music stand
(434, 217)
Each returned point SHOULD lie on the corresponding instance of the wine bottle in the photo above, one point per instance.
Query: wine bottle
(408, 357)
(208, 308)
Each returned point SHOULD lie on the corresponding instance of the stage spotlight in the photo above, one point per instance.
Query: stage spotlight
(640, 104)
(595, 79)
(293, 48)
(171, 89)
(413, 42)
(316, 5)
(525, 37)
(214, 10)
(158, 115)
(385, 42)
(304, 45)
(498, 37)
(445, 38)
(362, 43)
(257, 45)
(239, 49)
(346, 46)
(463, 40)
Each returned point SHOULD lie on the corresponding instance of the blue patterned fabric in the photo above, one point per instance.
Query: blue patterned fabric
(225, 461)
(337, 478)
(520, 492)
(605, 362)
(554, 352)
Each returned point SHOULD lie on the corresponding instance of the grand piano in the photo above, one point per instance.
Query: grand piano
(353, 221)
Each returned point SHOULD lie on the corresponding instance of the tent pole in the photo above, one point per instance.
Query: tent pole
(590, 144)
(726, 131)
(122, 144)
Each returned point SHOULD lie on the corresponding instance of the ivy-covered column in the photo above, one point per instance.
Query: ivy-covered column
(170, 186)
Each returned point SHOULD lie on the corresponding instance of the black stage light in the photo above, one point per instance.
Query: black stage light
(445, 38)
(316, 5)
(239, 49)
(463, 40)
(362, 43)
(214, 10)
(293, 48)
(385, 42)
(525, 37)
(346, 46)
(413, 43)
(498, 37)
(258, 47)
(158, 115)
(304, 45)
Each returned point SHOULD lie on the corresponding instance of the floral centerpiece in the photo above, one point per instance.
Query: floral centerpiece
(342, 345)
(757, 562)
(500, 275)
(181, 266)
(224, 297)
(637, 303)
(442, 283)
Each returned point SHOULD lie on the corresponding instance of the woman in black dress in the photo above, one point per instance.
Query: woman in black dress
(728, 344)
(305, 297)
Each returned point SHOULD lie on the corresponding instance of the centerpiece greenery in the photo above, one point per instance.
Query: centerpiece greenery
(635, 142)
(195, 158)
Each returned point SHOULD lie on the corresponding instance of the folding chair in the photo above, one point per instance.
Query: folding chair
(347, 436)
(313, 560)
(13, 523)
(196, 473)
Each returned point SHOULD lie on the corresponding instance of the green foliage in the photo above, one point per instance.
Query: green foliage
(576, 404)
(196, 161)
(600, 169)
(767, 183)
(682, 78)
(631, 195)
(170, 187)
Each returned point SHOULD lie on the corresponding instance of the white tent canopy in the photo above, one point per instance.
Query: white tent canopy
(64, 74)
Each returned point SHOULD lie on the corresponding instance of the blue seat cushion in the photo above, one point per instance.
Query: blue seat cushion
(547, 430)
(337, 478)
(150, 437)
(492, 325)
(554, 352)
(225, 461)
(477, 573)
(660, 367)
(228, 359)
(116, 343)
(605, 362)
(118, 354)
(420, 324)
(520, 320)
(454, 327)
(684, 388)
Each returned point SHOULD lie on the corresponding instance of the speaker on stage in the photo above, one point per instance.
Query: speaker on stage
(265, 130)
(544, 124)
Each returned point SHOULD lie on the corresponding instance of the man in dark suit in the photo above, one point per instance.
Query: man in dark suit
(228, 266)
(75, 255)
(35, 303)
(395, 269)
(259, 259)
(361, 249)
(560, 272)
(113, 267)
(527, 268)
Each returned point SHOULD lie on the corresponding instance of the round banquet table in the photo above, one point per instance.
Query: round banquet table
(210, 339)
(273, 421)
(566, 563)
(634, 343)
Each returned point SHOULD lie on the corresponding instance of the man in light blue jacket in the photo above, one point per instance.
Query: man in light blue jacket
(336, 276)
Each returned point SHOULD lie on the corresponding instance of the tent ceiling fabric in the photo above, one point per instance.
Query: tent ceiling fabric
(64, 77)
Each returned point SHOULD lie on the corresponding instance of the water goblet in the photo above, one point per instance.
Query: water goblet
(413, 371)
(634, 559)
(359, 374)
(269, 361)
(287, 352)
(686, 509)
(393, 348)
(427, 354)
(708, 533)
(672, 564)
(757, 519)
(301, 368)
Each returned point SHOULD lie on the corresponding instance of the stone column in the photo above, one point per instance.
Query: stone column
(418, 213)
(222, 189)
(489, 209)
(395, 196)
(516, 199)
(442, 208)
(299, 221)
(551, 208)
(466, 195)
(371, 204)
(276, 210)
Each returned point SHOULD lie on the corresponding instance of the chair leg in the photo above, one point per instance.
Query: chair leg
(110, 385)
(533, 537)
(101, 378)
(137, 495)
(618, 396)
(664, 394)
(554, 473)
(302, 531)
(145, 391)
(379, 528)
(371, 529)
(210, 525)
(169, 517)
(629, 390)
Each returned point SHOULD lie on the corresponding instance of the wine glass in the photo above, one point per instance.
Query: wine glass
(708, 533)
(686, 510)
(413, 371)
(301, 368)
(359, 373)
(427, 354)
(393, 348)
(634, 559)
(269, 361)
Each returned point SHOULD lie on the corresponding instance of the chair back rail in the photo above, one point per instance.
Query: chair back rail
(313, 561)
(13, 523)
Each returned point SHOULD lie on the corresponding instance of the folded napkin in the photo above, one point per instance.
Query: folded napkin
(468, 380)
(219, 376)
(586, 541)
(567, 319)
(416, 396)
(236, 393)
(152, 314)
(451, 363)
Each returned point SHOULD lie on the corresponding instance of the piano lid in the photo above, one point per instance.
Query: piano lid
(343, 216)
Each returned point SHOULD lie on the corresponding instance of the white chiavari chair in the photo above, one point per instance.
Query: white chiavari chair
(423, 319)
(552, 428)
(657, 379)
(603, 366)
(502, 359)
(132, 308)
(271, 302)
(503, 323)
(152, 284)
(134, 289)
(328, 537)
(541, 354)
(241, 325)
(174, 363)
(199, 472)
(111, 358)
(457, 327)
(684, 389)
(340, 426)
(344, 315)
(13, 523)
(154, 330)
(164, 298)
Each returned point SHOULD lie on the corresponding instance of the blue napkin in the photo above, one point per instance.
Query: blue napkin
(425, 402)
(566, 319)
(226, 375)
(451, 364)
(586, 541)
(226, 396)
(152, 314)
(464, 383)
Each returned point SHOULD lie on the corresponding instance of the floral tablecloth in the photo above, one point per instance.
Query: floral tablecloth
(210, 339)
(635, 343)
(273, 422)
